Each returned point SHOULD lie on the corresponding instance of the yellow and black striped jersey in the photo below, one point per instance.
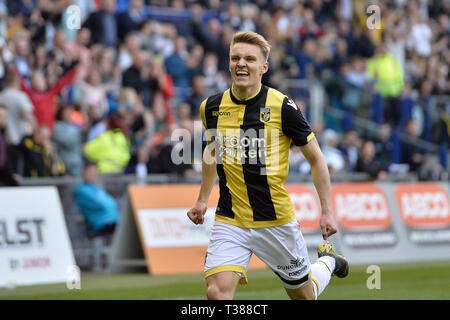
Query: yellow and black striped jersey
(252, 140)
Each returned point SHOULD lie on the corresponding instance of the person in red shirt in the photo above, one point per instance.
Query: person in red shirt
(161, 86)
(42, 97)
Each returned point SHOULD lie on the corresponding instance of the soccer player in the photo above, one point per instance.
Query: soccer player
(251, 127)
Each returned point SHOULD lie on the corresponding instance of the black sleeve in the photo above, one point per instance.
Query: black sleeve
(294, 124)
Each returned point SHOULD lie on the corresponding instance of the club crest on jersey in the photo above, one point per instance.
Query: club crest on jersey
(264, 115)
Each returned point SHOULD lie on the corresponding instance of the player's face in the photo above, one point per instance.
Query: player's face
(247, 65)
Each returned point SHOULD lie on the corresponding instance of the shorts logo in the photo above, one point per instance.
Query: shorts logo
(293, 264)
(297, 262)
(264, 114)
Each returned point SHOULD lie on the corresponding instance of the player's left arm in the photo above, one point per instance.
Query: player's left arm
(296, 127)
(321, 180)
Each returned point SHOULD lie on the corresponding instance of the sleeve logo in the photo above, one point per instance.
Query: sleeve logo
(292, 104)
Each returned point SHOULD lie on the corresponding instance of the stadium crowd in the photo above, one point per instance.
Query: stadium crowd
(113, 90)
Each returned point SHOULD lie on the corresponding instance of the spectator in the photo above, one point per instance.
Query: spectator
(21, 51)
(58, 52)
(309, 27)
(42, 58)
(224, 55)
(334, 157)
(162, 90)
(395, 36)
(194, 61)
(131, 19)
(22, 7)
(128, 50)
(103, 25)
(133, 77)
(389, 82)
(361, 44)
(67, 141)
(43, 98)
(297, 161)
(99, 208)
(160, 159)
(356, 74)
(349, 147)
(41, 160)
(232, 14)
(176, 64)
(93, 92)
(249, 14)
(412, 153)
(138, 120)
(368, 163)
(340, 54)
(420, 36)
(197, 96)
(6, 178)
(383, 145)
(111, 149)
(151, 36)
(110, 73)
(214, 80)
(96, 124)
(78, 48)
(208, 34)
(167, 44)
(277, 28)
(184, 111)
(20, 115)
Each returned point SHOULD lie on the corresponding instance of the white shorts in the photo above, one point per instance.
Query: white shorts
(282, 248)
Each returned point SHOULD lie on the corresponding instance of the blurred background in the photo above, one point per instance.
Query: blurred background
(91, 96)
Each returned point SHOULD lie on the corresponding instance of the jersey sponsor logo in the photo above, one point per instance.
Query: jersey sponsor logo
(264, 115)
(221, 113)
(423, 205)
(240, 146)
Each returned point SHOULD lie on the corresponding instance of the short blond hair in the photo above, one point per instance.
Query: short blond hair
(254, 38)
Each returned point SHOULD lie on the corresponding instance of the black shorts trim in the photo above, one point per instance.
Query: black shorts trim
(293, 282)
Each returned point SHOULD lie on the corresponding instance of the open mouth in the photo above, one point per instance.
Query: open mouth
(242, 74)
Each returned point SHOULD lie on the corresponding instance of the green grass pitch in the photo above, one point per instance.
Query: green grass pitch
(425, 280)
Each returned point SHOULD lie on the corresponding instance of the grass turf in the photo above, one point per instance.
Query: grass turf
(425, 280)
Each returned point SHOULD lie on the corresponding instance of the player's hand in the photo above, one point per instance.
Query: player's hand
(327, 225)
(197, 213)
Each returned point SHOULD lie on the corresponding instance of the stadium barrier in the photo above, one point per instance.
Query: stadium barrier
(171, 243)
(378, 223)
(34, 243)
(397, 221)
